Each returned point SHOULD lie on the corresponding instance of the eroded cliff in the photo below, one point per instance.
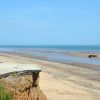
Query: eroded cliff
(23, 87)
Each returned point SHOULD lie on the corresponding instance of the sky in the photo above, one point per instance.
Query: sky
(49, 22)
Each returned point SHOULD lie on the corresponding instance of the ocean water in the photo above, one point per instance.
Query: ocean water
(56, 53)
(59, 48)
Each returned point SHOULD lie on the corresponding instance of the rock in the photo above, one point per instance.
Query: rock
(92, 56)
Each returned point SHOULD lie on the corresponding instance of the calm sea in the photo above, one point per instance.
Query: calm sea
(61, 48)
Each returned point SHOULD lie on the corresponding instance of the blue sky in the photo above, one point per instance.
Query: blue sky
(50, 22)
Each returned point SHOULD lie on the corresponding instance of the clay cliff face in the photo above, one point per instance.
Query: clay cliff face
(25, 87)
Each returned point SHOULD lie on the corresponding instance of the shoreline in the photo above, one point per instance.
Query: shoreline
(71, 53)
(68, 82)
(83, 54)
(76, 66)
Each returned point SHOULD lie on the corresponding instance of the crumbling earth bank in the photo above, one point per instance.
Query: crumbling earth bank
(24, 87)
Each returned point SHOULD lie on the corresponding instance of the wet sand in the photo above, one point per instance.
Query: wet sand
(83, 54)
(60, 81)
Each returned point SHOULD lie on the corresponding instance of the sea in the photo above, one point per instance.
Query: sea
(84, 48)
(56, 53)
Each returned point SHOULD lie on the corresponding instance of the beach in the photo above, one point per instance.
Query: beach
(61, 81)
(83, 54)
(50, 50)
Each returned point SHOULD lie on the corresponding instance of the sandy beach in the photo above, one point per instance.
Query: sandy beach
(60, 81)
(50, 50)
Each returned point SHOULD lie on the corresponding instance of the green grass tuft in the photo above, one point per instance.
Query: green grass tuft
(4, 95)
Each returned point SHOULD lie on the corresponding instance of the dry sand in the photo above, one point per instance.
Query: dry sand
(61, 81)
